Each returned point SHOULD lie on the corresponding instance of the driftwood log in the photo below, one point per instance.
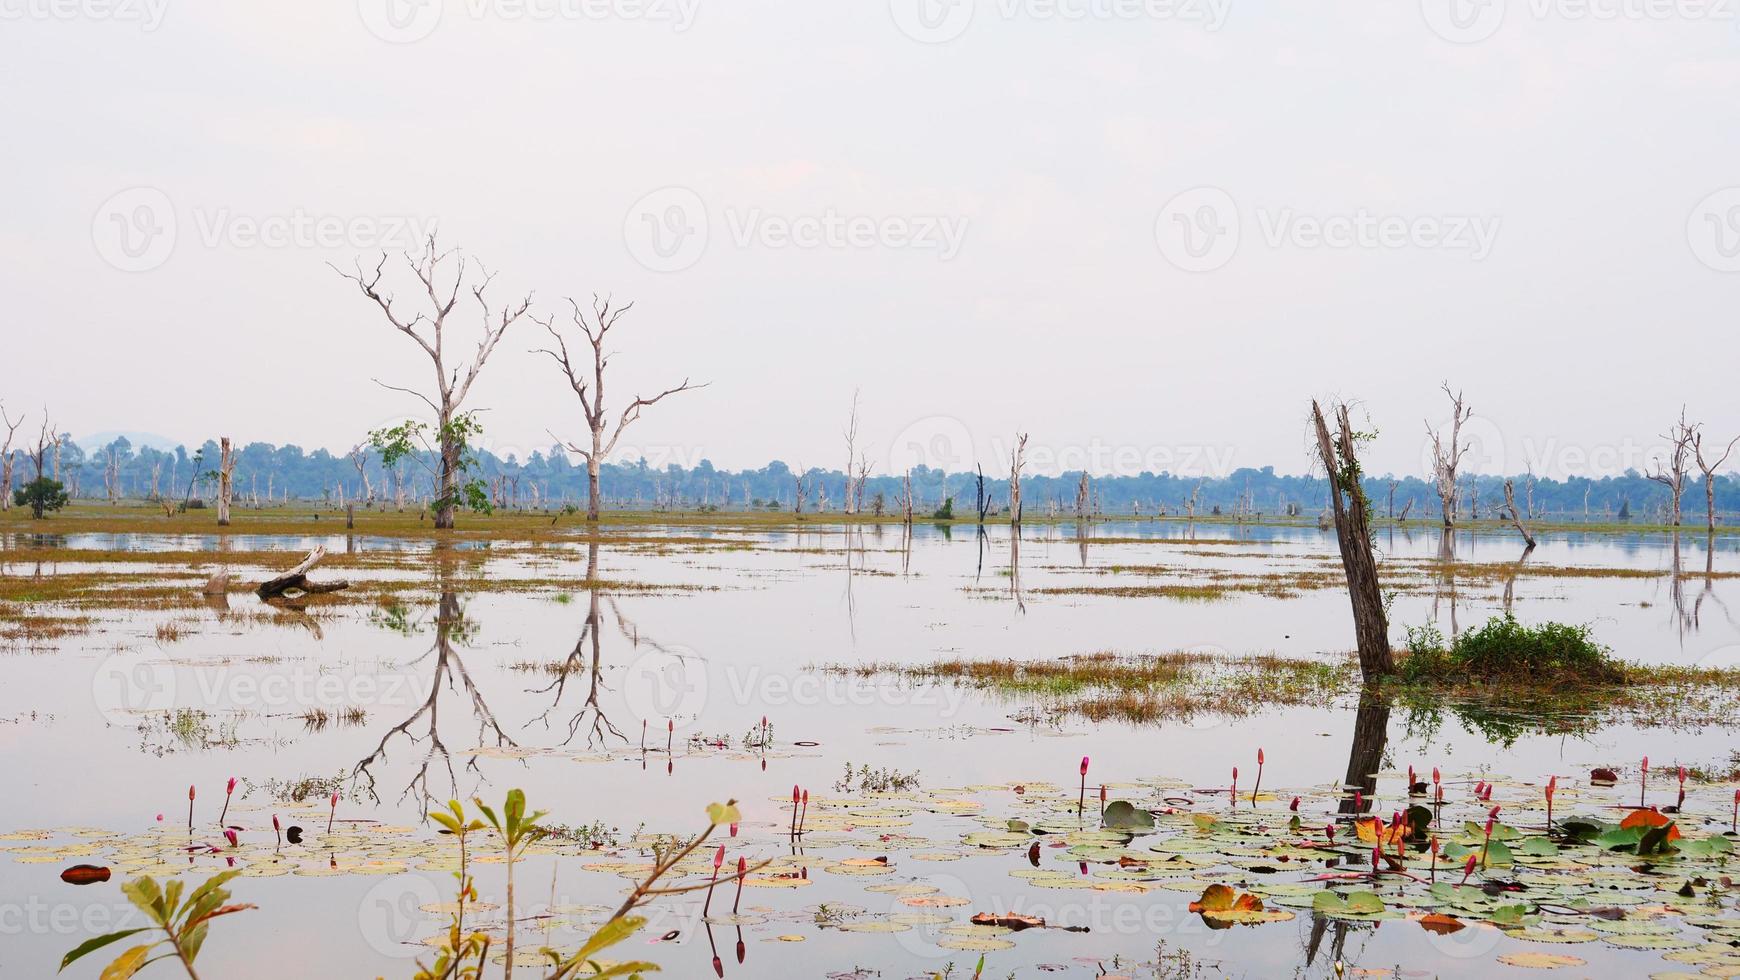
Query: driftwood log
(296, 579)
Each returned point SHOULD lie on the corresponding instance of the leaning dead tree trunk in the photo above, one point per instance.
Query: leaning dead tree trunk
(1515, 515)
(1709, 469)
(226, 480)
(591, 390)
(1447, 460)
(1680, 437)
(296, 579)
(1017, 459)
(1353, 533)
(452, 426)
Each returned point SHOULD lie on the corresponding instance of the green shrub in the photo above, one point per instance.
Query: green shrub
(1505, 649)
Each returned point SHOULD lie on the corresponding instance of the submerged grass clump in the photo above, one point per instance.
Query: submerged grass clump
(1506, 650)
(1142, 687)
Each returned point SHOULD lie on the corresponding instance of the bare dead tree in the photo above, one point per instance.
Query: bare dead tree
(857, 489)
(359, 458)
(226, 480)
(1083, 492)
(1017, 459)
(1353, 532)
(590, 388)
(1446, 460)
(451, 385)
(851, 435)
(1195, 495)
(906, 497)
(6, 458)
(1709, 467)
(1515, 516)
(800, 489)
(1680, 437)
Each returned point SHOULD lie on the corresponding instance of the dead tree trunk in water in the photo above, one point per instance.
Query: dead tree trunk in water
(1017, 458)
(1680, 437)
(590, 390)
(6, 460)
(1709, 470)
(1446, 461)
(1353, 533)
(226, 480)
(1515, 517)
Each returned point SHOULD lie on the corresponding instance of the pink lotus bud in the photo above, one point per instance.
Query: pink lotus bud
(230, 835)
(1084, 765)
(160, 816)
(190, 792)
(806, 797)
(718, 857)
(1682, 775)
(1329, 832)
(794, 793)
(1435, 777)
(734, 830)
(231, 788)
(1646, 765)
(1259, 757)
(1235, 774)
(1294, 806)
(275, 822)
(742, 866)
(335, 798)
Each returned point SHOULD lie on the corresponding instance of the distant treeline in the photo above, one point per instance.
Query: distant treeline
(280, 474)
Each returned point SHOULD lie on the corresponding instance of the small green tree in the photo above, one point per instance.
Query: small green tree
(452, 449)
(41, 495)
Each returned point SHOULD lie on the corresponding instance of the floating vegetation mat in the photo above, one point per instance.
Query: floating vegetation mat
(1544, 875)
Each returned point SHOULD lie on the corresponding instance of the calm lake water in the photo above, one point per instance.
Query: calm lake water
(102, 733)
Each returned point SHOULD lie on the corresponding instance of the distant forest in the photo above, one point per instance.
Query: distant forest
(266, 475)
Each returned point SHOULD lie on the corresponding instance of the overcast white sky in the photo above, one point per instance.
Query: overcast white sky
(1107, 223)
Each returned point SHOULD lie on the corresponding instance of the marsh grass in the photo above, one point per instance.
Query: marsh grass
(1141, 687)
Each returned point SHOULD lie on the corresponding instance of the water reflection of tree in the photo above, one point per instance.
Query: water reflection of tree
(587, 658)
(1371, 725)
(1446, 584)
(452, 630)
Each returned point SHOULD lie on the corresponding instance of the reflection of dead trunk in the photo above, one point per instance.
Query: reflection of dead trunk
(1371, 724)
(450, 629)
(1015, 568)
(1446, 577)
(576, 663)
(1510, 581)
(1353, 533)
(296, 579)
